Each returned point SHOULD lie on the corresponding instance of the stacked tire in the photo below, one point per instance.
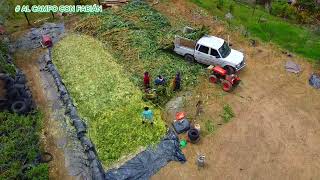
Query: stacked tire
(18, 96)
(193, 135)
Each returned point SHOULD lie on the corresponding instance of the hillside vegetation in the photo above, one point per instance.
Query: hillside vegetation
(261, 24)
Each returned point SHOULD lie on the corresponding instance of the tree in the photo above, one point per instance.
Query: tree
(266, 3)
(51, 11)
(308, 5)
(26, 16)
(29, 3)
(254, 7)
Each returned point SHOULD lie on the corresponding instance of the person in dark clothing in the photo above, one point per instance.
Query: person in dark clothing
(177, 82)
(159, 81)
(146, 80)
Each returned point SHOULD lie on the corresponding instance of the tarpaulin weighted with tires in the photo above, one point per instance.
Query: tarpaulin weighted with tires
(148, 162)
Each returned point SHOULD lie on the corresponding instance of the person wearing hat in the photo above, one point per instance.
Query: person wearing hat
(159, 81)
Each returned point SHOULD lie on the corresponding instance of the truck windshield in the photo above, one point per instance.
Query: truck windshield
(224, 50)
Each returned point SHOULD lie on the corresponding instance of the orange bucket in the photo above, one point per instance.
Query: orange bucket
(180, 115)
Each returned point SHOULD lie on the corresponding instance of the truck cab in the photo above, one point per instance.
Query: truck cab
(211, 50)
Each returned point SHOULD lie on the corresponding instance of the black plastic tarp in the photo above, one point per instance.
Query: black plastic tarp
(148, 162)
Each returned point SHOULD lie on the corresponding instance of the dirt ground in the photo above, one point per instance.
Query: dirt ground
(275, 133)
(28, 62)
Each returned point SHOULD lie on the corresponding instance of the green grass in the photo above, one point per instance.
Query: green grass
(105, 98)
(19, 146)
(292, 37)
(141, 39)
(209, 126)
(227, 113)
(4, 66)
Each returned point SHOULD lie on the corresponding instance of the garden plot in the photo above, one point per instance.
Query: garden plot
(105, 98)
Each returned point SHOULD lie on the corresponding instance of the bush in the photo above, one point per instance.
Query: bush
(227, 113)
(20, 145)
(220, 4)
(310, 6)
(303, 17)
(40, 171)
(209, 126)
(283, 9)
(4, 65)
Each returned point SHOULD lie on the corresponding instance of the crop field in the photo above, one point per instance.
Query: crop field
(106, 99)
(141, 39)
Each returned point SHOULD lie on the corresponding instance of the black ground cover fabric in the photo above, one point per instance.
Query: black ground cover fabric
(148, 162)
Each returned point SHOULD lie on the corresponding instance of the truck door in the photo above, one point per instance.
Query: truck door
(214, 57)
(202, 54)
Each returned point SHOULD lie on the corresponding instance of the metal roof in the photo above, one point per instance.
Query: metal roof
(211, 41)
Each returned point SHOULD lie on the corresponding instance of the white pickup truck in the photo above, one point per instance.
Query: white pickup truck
(210, 50)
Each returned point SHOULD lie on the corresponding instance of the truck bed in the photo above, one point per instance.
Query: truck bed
(184, 46)
(181, 41)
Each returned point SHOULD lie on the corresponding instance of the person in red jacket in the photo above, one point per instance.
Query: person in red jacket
(146, 80)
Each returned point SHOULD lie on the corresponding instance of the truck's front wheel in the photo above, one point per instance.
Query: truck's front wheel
(189, 58)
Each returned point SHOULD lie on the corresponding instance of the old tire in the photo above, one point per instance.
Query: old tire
(3, 104)
(193, 135)
(20, 80)
(25, 94)
(44, 157)
(230, 70)
(189, 58)
(226, 85)
(19, 107)
(213, 79)
(12, 93)
(9, 82)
